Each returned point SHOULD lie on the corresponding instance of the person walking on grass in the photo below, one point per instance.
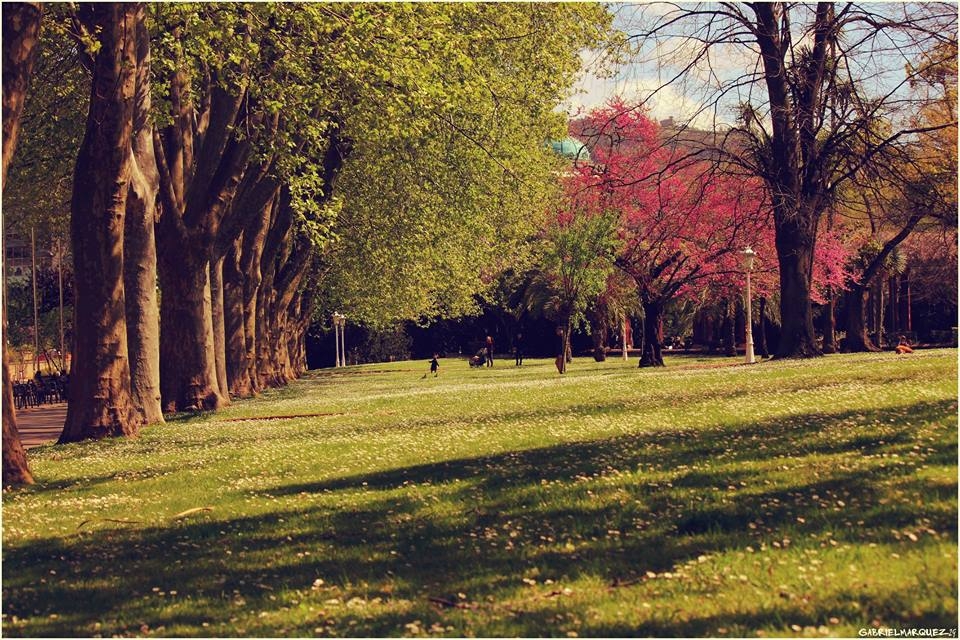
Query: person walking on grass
(489, 351)
(434, 366)
(518, 350)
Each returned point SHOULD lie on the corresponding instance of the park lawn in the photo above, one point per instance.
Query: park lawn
(706, 498)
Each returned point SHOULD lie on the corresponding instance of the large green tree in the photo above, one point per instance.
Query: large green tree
(446, 185)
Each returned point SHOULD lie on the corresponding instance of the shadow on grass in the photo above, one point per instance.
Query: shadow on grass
(601, 509)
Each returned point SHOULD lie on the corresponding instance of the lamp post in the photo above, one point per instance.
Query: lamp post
(748, 255)
(336, 338)
(339, 320)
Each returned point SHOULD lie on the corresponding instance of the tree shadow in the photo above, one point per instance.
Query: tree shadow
(476, 526)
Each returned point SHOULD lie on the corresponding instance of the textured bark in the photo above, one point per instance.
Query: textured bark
(21, 31)
(254, 242)
(100, 402)
(219, 331)
(197, 186)
(15, 468)
(235, 347)
(140, 251)
(795, 241)
(188, 376)
(652, 353)
(796, 180)
(239, 242)
(275, 249)
(599, 334)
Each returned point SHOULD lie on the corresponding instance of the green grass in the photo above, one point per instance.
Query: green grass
(788, 498)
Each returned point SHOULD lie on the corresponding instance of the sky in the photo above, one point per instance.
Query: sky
(879, 67)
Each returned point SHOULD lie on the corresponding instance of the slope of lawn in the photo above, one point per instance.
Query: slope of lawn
(707, 498)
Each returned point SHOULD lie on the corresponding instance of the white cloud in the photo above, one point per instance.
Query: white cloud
(677, 100)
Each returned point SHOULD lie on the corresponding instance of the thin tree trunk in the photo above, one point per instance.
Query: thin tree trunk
(101, 403)
(830, 324)
(878, 308)
(729, 326)
(652, 354)
(564, 345)
(762, 329)
(140, 250)
(21, 32)
(238, 370)
(219, 330)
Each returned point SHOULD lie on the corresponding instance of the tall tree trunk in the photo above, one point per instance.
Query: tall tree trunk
(878, 309)
(21, 32)
(139, 247)
(830, 324)
(188, 373)
(219, 329)
(100, 402)
(652, 353)
(255, 240)
(238, 371)
(795, 256)
(198, 181)
(796, 183)
(857, 336)
(564, 345)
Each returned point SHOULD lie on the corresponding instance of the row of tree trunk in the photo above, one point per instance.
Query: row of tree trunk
(183, 206)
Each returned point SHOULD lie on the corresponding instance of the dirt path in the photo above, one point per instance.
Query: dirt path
(41, 425)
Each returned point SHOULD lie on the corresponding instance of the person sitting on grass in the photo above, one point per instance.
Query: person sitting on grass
(903, 347)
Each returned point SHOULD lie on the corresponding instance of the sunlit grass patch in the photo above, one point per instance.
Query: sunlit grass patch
(706, 498)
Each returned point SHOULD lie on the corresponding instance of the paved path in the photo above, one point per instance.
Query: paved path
(41, 425)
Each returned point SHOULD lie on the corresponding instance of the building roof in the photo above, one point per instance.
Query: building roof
(571, 148)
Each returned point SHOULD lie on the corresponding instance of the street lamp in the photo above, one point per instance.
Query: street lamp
(747, 256)
(339, 320)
